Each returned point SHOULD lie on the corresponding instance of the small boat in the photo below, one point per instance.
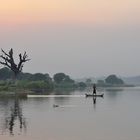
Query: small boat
(94, 95)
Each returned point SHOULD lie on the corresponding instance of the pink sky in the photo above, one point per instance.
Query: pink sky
(79, 37)
(14, 12)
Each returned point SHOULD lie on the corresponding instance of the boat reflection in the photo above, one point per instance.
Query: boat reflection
(94, 100)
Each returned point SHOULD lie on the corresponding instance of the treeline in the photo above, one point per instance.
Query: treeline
(36, 82)
(111, 81)
(39, 82)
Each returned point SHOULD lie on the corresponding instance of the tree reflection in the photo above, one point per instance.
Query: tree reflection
(16, 116)
(113, 92)
(62, 100)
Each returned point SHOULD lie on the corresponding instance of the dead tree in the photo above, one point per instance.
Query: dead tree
(8, 61)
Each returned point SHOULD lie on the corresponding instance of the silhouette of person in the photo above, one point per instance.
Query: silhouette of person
(94, 89)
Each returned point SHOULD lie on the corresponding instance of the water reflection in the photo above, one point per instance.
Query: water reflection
(98, 118)
(63, 92)
(15, 118)
(62, 100)
(94, 100)
(113, 92)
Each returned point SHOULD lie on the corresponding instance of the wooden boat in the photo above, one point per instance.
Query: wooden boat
(94, 95)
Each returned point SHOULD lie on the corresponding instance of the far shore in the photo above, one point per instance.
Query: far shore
(25, 92)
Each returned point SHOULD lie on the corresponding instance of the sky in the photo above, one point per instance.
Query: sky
(82, 38)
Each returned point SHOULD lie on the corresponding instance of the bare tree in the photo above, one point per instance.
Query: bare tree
(8, 61)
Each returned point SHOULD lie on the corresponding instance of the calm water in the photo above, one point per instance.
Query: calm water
(114, 117)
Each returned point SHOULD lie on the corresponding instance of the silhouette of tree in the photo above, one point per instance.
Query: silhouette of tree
(8, 61)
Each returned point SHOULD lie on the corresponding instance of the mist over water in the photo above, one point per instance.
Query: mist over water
(113, 117)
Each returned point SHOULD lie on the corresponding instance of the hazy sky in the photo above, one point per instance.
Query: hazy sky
(82, 38)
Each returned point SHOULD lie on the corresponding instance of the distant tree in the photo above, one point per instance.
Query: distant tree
(5, 73)
(82, 85)
(37, 84)
(88, 82)
(24, 76)
(37, 77)
(114, 80)
(68, 79)
(100, 82)
(8, 61)
(60, 78)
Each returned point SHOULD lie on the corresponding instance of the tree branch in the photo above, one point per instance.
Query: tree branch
(5, 63)
(9, 61)
(5, 52)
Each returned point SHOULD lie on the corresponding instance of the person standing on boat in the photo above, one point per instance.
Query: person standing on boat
(94, 89)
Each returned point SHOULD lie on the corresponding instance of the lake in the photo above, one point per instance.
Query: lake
(114, 117)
